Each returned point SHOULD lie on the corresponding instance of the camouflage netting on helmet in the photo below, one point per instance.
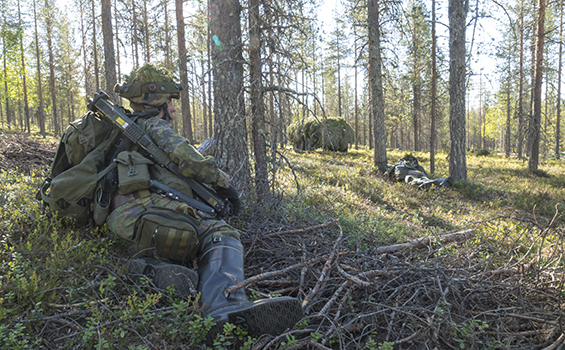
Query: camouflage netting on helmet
(306, 134)
(149, 85)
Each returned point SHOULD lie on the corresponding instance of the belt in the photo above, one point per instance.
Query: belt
(123, 199)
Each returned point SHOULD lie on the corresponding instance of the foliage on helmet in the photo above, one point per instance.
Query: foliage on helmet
(149, 85)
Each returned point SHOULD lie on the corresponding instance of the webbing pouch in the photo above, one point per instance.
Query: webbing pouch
(133, 172)
(166, 233)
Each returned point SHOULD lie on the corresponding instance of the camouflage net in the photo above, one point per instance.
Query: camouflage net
(306, 135)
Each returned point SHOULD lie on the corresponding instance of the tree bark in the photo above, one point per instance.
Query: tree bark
(209, 62)
(558, 119)
(41, 112)
(229, 105)
(8, 112)
(49, 30)
(135, 38)
(536, 108)
(26, 103)
(183, 69)
(167, 36)
(87, 88)
(109, 55)
(520, 132)
(356, 98)
(507, 147)
(433, 93)
(204, 102)
(146, 32)
(376, 85)
(258, 131)
(457, 22)
(95, 48)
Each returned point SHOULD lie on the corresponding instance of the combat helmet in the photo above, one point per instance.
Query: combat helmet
(151, 87)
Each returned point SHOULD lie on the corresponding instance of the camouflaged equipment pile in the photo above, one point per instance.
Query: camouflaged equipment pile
(410, 171)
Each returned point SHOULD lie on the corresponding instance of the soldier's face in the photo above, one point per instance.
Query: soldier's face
(171, 107)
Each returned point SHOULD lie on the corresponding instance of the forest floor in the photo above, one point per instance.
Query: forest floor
(376, 264)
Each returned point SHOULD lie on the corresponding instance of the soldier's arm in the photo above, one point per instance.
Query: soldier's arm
(191, 163)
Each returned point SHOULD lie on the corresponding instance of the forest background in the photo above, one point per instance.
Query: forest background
(56, 55)
(376, 264)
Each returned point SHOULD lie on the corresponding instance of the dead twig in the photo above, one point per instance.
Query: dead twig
(302, 231)
(424, 241)
(322, 277)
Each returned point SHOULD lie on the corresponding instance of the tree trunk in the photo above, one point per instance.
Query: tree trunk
(95, 49)
(433, 93)
(8, 113)
(536, 108)
(183, 69)
(118, 65)
(376, 85)
(457, 21)
(209, 58)
(49, 30)
(229, 105)
(356, 100)
(41, 112)
(146, 32)
(135, 38)
(26, 103)
(507, 147)
(204, 102)
(558, 119)
(520, 131)
(258, 131)
(87, 88)
(109, 56)
(530, 130)
(167, 36)
(416, 88)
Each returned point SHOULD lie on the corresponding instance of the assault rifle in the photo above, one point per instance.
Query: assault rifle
(208, 201)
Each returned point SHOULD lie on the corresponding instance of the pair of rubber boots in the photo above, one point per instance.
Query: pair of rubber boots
(221, 266)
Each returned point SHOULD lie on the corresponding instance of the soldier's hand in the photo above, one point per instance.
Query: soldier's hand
(232, 196)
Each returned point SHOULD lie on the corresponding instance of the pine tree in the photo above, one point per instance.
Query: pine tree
(457, 21)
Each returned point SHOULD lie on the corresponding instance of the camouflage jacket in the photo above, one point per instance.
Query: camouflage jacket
(191, 163)
(125, 209)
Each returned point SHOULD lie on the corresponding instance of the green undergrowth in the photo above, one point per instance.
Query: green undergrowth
(347, 186)
(65, 286)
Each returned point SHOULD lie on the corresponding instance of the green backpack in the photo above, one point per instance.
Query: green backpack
(80, 162)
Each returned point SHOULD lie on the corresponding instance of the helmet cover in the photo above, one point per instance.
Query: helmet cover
(149, 85)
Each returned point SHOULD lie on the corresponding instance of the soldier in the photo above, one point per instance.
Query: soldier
(160, 227)
(410, 171)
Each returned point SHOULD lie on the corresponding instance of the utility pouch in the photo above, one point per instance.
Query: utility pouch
(133, 172)
(166, 233)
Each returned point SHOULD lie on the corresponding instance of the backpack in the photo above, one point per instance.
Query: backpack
(82, 159)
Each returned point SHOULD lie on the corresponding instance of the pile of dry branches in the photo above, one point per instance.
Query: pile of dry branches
(21, 153)
(431, 293)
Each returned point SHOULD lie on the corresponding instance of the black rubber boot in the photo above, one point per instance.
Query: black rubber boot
(221, 266)
(164, 274)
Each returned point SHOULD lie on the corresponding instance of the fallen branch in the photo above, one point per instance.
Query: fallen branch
(257, 278)
(322, 277)
(557, 343)
(305, 230)
(424, 241)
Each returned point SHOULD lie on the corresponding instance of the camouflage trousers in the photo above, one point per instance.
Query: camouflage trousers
(127, 209)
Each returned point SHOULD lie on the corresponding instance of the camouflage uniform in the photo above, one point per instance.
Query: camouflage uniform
(410, 171)
(218, 249)
(127, 208)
